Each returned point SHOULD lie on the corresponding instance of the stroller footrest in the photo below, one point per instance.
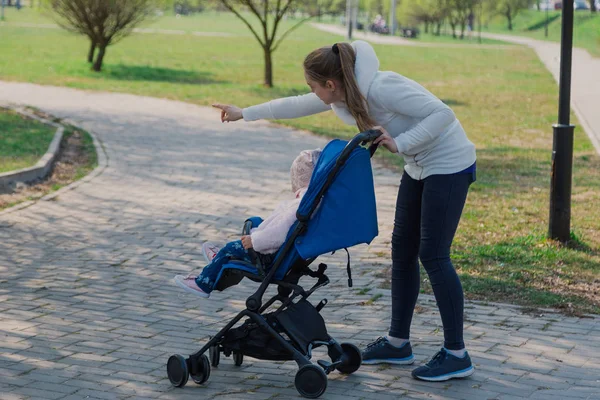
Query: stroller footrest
(328, 366)
(321, 304)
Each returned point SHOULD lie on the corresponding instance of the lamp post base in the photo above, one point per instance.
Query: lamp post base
(560, 185)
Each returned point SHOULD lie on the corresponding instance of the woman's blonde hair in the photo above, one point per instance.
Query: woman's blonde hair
(337, 62)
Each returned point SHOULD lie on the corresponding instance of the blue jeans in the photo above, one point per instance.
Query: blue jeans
(427, 215)
(208, 276)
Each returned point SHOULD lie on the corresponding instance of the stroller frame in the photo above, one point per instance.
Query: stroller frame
(311, 379)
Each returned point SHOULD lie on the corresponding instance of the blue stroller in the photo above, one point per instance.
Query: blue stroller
(337, 211)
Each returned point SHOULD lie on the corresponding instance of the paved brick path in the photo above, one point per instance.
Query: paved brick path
(88, 311)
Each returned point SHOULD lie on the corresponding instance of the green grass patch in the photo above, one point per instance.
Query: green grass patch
(504, 97)
(77, 158)
(531, 23)
(373, 299)
(448, 39)
(532, 270)
(23, 141)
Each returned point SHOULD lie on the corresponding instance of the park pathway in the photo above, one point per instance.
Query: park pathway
(88, 309)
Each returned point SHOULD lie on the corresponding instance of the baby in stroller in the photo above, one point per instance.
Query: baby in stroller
(265, 240)
(336, 211)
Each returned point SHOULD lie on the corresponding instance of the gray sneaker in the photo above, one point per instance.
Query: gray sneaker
(382, 351)
(444, 366)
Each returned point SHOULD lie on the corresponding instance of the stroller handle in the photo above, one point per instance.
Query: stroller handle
(360, 139)
(369, 136)
(366, 137)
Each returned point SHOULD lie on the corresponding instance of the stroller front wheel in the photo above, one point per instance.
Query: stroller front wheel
(215, 355)
(177, 370)
(351, 359)
(203, 371)
(311, 381)
(238, 358)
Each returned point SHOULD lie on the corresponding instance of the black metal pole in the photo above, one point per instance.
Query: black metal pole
(480, 15)
(349, 5)
(546, 26)
(562, 147)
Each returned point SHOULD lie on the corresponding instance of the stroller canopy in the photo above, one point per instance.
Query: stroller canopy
(346, 213)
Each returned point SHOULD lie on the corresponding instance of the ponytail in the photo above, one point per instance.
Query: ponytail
(337, 62)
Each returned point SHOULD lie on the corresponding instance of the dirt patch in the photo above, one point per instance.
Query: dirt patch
(73, 162)
(587, 289)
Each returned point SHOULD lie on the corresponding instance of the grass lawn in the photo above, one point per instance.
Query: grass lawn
(23, 141)
(76, 159)
(531, 23)
(448, 39)
(505, 98)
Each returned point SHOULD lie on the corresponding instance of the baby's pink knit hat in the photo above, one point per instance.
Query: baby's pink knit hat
(302, 168)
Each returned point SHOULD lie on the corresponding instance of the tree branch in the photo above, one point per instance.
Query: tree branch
(233, 10)
(289, 31)
(284, 9)
(252, 8)
(279, 16)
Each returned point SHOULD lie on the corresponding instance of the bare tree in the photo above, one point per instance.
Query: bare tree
(430, 13)
(269, 13)
(316, 8)
(509, 9)
(104, 22)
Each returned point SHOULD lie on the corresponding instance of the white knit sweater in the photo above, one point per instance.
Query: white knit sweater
(426, 130)
(271, 233)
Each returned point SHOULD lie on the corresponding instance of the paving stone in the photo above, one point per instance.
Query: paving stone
(13, 396)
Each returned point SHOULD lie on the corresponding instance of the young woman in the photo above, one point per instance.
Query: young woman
(439, 168)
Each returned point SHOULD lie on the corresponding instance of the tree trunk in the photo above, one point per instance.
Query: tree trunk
(438, 29)
(91, 52)
(380, 7)
(453, 27)
(268, 67)
(98, 63)
(509, 18)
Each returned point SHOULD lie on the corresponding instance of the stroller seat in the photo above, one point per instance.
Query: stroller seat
(235, 270)
(337, 211)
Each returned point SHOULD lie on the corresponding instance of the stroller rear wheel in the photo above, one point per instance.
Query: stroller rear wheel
(351, 359)
(215, 355)
(177, 370)
(311, 381)
(203, 371)
(238, 358)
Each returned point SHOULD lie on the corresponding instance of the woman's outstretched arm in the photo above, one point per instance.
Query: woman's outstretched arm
(284, 108)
